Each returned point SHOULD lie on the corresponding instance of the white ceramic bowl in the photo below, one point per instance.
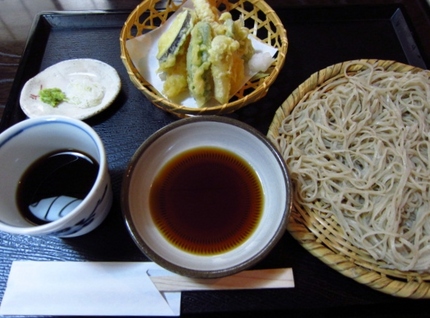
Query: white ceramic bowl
(221, 132)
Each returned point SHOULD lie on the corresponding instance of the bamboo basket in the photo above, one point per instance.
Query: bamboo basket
(323, 238)
(259, 18)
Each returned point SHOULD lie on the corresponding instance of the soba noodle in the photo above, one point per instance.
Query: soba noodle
(358, 150)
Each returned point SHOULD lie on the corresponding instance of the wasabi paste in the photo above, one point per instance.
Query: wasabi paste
(52, 96)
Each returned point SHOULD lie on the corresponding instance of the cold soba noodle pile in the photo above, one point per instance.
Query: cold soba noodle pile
(358, 150)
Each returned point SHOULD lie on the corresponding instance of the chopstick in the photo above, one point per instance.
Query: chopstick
(253, 279)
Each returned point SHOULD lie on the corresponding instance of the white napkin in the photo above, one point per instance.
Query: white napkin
(87, 288)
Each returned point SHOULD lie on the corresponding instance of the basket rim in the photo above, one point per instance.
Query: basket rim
(411, 284)
(160, 101)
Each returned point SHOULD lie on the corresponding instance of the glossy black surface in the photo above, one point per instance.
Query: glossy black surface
(318, 37)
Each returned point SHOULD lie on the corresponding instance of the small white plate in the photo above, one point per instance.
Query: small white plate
(73, 77)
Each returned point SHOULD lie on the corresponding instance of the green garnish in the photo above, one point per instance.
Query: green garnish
(52, 96)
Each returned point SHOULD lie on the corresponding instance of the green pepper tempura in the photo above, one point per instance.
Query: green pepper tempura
(52, 96)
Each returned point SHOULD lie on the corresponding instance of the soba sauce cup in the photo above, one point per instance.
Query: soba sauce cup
(21, 145)
(183, 136)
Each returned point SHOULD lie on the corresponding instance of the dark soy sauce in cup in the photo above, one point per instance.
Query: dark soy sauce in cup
(206, 201)
(54, 184)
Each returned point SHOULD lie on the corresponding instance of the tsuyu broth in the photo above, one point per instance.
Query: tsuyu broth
(206, 201)
(54, 184)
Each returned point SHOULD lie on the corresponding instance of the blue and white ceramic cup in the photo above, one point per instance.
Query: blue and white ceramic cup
(23, 144)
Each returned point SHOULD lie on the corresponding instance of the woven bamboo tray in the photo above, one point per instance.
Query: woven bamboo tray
(322, 237)
(259, 18)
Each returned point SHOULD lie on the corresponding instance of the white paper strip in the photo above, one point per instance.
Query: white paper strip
(86, 288)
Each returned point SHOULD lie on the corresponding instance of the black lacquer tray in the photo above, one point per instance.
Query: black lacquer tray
(318, 37)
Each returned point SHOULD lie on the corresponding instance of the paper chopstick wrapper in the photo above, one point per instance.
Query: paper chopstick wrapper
(115, 288)
(86, 289)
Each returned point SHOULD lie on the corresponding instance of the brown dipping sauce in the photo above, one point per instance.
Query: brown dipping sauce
(60, 173)
(206, 201)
